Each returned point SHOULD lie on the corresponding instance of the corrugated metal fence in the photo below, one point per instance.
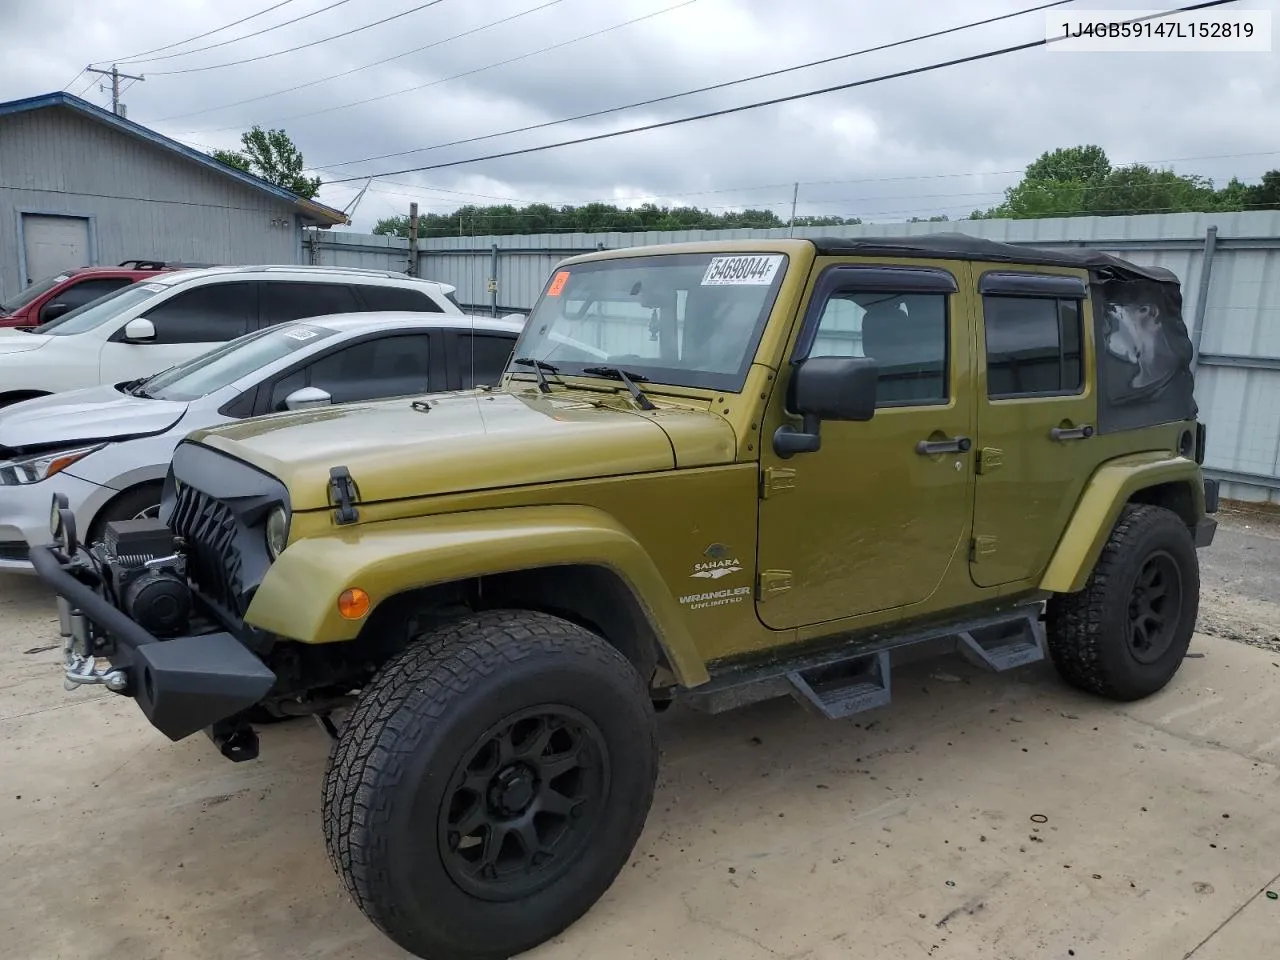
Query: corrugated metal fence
(1229, 265)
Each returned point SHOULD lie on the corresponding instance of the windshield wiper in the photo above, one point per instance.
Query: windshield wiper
(538, 367)
(617, 373)
(134, 388)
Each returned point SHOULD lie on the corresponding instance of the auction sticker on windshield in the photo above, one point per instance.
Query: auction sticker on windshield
(557, 283)
(753, 270)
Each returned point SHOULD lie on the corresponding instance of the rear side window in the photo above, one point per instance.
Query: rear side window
(283, 301)
(1033, 346)
(213, 313)
(397, 298)
(482, 358)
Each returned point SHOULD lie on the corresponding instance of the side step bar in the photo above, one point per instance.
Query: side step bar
(857, 678)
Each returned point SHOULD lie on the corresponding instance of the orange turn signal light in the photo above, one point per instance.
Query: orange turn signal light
(354, 603)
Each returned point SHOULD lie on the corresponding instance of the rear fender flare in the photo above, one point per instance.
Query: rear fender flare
(1112, 486)
(298, 597)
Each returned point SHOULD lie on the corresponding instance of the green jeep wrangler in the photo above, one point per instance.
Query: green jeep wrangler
(713, 473)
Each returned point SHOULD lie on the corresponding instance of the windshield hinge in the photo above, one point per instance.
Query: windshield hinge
(343, 494)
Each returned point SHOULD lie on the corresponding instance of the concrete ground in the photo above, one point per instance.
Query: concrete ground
(977, 817)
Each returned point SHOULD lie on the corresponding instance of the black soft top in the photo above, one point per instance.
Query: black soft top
(961, 246)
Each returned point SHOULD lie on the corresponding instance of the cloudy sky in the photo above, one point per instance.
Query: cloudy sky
(946, 141)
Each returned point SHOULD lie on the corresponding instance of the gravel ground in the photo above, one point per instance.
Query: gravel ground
(978, 817)
(1240, 595)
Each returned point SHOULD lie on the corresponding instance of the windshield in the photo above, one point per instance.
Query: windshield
(16, 303)
(690, 319)
(226, 364)
(97, 312)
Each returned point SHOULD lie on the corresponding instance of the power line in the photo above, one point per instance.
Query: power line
(301, 46)
(376, 63)
(201, 36)
(707, 89)
(914, 71)
(244, 36)
(804, 183)
(468, 73)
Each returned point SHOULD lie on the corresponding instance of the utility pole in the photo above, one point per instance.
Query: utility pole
(795, 195)
(116, 76)
(413, 239)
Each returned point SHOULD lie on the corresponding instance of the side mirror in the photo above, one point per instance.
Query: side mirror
(307, 397)
(139, 330)
(826, 388)
(52, 311)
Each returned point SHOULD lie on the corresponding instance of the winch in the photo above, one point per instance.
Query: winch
(144, 573)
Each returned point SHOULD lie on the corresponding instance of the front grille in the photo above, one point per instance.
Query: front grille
(213, 564)
(14, 550)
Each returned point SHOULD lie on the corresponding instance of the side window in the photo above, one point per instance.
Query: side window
(284, 301)
(482, 358)
(213, 313)
(397, 298)
(391, 366)
(905, 333)
(87, 290)
(1033, 346)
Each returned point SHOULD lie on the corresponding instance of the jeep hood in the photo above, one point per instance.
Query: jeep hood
(94, 413)
(472, 441)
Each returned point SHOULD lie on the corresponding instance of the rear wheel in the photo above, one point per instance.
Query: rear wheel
(489, 784)
(1126, 633)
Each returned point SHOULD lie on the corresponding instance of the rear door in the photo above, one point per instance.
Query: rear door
(187, 324)
(1036, 417)
(285, 300)
(478, 359)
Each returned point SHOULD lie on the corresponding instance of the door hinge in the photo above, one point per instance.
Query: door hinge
(990, 459)
(772, 583)
(980, 547)
(776, 480)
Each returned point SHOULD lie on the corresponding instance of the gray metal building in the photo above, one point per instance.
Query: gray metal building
(80, 186)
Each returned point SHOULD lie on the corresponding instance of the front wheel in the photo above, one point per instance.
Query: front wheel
(490, 784)
(1126, 633)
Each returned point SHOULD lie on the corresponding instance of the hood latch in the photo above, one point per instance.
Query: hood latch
(343, 493)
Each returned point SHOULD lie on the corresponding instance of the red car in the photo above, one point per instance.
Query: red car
(50, 298)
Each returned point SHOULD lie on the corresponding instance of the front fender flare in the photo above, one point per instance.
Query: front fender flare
(1105, 495)
(298, 597)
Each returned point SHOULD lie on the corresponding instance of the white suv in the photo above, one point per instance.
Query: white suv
(153, 324)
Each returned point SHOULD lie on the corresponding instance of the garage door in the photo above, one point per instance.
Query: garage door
(54, 244)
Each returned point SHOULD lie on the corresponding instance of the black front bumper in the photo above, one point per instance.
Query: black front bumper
(182, 685)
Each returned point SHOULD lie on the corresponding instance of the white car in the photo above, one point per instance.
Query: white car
(155, 323)
(108, 448)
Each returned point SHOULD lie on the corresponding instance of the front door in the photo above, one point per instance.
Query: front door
(187, 324)
(1036, 417)
(874, 518)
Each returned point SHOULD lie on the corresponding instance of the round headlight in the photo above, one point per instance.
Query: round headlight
(277, 531)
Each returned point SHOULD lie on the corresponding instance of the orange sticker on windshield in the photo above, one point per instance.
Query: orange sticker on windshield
(557, 283)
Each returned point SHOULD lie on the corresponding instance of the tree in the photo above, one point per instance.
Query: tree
(1080, 181)
(273, 156)
(1265, 195)
(475, 221)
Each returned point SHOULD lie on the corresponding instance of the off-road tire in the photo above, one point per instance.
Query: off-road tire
(1089, 632)
(392, 775)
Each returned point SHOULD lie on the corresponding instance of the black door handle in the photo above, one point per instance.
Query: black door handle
(1082, 432)
(929, 448)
